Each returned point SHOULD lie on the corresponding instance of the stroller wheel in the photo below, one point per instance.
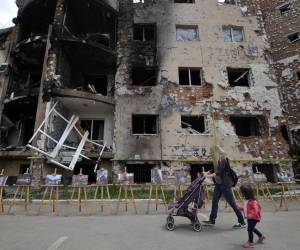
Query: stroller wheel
(197, 226)
(170, 225)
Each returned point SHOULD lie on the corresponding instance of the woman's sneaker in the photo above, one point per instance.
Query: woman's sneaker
(239, 225)
(208, 223)
(261, 239)
(248, 245)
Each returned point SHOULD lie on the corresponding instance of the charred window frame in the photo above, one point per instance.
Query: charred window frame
(239, 77)
(194, 124)
(143, 76)
(184, 1)
(246, 126)
(284, 9)
(187, 33)
(294, 37)
(144, 124)
(190, 76)
(144, 32)
(95, 128)
(233, 34)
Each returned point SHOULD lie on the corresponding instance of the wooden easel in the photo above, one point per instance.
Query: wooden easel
(287, 187)
(236, 195)
(157, 188)
(78, 189)
(53, 196)
(262, 188)
(1, 193)
(21, 190)
(102, 202)
(126, 188)
(177, 191)
(207, 189)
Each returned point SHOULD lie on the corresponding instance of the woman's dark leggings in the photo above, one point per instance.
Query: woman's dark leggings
(252, 229)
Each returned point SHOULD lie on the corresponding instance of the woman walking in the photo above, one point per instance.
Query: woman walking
(223, 184)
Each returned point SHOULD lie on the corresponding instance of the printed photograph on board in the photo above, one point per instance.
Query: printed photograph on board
(80, 180)
(259, 177)
(102, 177)
(125, 178)
(24, 179)
(3, 179)
(53, 179)
(180, 178)
(157, 176)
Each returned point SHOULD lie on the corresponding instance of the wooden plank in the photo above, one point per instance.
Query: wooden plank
(65, 134)
(78, 150)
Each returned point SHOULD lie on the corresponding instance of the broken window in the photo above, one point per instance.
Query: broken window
(284, 132)
(238, 77)
(193, 124)
(142, 172)
(184, 1)
(294, 37)
(95, 128)
(144, 32)
(187, 33)
(91, 20)
(284, 9)
(144, 124)
(246, 126)
(144, 76)
(233, 34)
(97, 84)
(17, 124)
(190, 76)
(36, 18)
(23, 168)
(199, 168)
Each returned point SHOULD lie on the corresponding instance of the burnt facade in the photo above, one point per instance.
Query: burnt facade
(281, 19)
(161, 82)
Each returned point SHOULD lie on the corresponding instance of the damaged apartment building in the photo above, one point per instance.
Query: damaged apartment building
(160, 82)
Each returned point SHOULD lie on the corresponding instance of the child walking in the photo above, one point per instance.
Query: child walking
(253, 213)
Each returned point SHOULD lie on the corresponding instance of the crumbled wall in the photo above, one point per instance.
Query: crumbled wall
(214, 97)
(285, 57)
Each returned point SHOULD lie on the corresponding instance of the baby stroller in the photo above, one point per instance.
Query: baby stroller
(194, 193)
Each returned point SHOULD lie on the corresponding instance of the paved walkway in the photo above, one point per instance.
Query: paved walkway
(142, 232)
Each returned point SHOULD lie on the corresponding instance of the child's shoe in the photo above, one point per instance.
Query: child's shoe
(261, 239)
(248, 245)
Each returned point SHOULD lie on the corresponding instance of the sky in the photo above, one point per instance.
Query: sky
(8, 10)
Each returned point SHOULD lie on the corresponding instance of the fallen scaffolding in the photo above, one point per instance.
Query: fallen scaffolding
(60, 144)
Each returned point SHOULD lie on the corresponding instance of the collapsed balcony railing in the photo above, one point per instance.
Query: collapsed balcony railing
(71, 125)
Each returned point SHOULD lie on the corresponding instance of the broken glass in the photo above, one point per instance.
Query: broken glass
(227, 35)
(237, 35)
(186, 34)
